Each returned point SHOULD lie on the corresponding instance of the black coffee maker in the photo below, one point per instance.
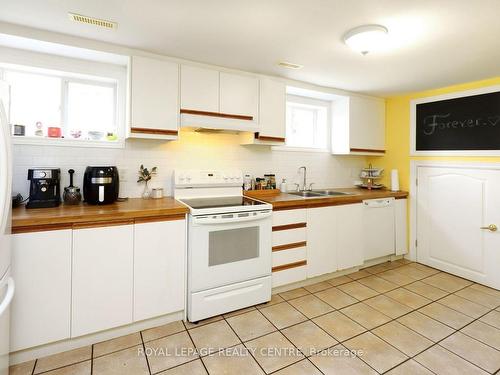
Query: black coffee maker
(45, 189)
(101, 185)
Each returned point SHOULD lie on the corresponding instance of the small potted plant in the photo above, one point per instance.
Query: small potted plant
(145, 176)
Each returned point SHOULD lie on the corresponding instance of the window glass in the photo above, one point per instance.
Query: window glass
(307, 125)
(34, 98)
(90, 108)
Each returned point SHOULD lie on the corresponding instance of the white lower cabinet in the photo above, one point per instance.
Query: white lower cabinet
(159, 268)
(102, 278)
(321, 245)
(349, 236)
(401, 241)
(41, 268)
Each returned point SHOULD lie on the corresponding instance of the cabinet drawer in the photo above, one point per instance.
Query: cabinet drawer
(289, 217)
(289, 256)
(289, 275)
(284, 237)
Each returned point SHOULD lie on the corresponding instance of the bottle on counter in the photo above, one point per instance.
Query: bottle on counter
(283, 187)
(247, 182)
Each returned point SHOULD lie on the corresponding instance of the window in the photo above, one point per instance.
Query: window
(77, 109)
(307, 123)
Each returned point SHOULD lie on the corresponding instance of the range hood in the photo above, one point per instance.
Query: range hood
(218, 121)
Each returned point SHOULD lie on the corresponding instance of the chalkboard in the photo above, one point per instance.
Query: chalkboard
(465, 123)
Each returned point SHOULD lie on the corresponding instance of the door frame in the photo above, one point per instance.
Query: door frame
(414, 165)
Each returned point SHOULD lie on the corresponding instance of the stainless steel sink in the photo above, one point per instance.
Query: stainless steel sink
(319, 193)
(331, 193)
(307, 194)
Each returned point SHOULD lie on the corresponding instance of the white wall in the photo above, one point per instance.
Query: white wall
(193, 150)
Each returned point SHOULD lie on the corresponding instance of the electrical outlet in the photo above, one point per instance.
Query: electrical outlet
(123, 173)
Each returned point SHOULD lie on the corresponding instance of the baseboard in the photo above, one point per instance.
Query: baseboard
(78, 342)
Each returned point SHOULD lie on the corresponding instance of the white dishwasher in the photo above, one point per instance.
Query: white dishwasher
(378, 228)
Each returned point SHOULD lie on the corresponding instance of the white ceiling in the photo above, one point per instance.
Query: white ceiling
(435, 42)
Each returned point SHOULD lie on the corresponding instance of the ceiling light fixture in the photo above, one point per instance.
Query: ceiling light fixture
(289, 65)
(367, 38)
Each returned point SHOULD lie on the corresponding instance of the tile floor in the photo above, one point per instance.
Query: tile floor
(396, 318)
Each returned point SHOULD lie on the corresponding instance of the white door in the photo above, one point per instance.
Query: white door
(321, 241)
(455, 206)
(41, 266)
(154, 94)
(159, 268)
(239, 95)
(102, 278)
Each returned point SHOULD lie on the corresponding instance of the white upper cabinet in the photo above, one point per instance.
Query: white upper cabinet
(239, 95)
(358, 125)
(272, 114)
(102, 281)
(199, 89)
(159, 268)
(154, 98)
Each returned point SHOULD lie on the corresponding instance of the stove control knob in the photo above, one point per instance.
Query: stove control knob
(225, 178)
(181, 177)
(188, 178)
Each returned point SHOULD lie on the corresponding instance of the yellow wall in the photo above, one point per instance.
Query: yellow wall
(398, 133)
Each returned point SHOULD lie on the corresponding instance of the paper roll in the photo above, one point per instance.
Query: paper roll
(394, 180)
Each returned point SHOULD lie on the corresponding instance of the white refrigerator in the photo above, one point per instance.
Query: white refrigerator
(6, 281)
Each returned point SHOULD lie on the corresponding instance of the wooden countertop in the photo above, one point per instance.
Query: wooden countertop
(84, 215)
(284, 201)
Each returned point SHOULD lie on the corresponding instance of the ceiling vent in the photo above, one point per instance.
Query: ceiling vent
(289, 65)
(93, 21)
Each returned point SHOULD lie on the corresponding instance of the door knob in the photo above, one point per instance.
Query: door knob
(491, 228)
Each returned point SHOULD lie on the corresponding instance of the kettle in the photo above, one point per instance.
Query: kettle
(72, 193)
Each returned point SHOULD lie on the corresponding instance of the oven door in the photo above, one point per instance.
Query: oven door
(228, 248)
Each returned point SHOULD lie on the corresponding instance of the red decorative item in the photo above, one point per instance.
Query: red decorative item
(54, 132)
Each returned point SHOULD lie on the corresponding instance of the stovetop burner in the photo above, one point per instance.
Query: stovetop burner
(221, 202)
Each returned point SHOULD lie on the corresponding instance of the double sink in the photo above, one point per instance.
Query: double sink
(319, 193)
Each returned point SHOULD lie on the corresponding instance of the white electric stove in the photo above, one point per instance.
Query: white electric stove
(229, 243)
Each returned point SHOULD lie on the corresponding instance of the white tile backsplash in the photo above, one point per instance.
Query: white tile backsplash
(193, 150)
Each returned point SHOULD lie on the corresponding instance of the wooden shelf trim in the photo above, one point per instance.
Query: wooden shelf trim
(95, 224)
(268, 138)
(41, 228)
(154, 131)
(288, 246)
(289, 265)
(277, 228)
(216, 114)
(367, 150)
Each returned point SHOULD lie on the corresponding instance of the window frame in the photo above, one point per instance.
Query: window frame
(308, 101)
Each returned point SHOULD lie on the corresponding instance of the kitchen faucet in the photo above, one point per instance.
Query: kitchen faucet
(304, 186)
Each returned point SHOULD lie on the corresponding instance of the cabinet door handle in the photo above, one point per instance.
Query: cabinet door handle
(491, 228)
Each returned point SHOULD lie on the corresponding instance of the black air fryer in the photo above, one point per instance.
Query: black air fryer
(101, 185)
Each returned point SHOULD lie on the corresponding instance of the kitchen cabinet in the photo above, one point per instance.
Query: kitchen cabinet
(349, 236)
(239, 95)
(199, 89)
(41, 268)
(289, 246)
(159, 268)
(102, 280)
(272, 114)
(154, 98)
(321, 241)
(358, 125)
(334, 241)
